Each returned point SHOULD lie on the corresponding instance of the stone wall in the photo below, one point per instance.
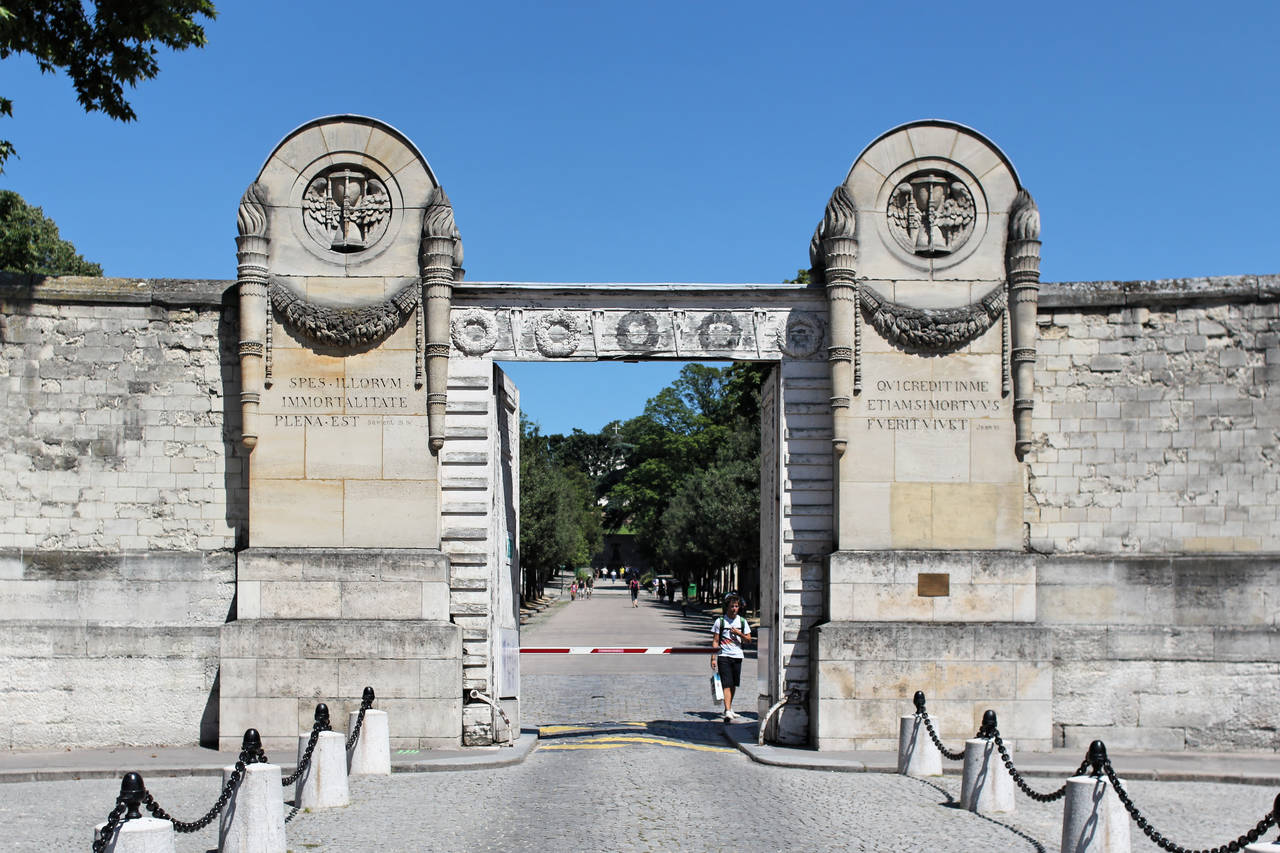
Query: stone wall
(1157, 418)
(121, 503)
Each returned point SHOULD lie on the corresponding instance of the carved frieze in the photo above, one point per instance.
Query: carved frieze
(474, 332)
(557, 333)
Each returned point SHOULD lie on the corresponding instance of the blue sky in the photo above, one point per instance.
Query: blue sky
(683, 141)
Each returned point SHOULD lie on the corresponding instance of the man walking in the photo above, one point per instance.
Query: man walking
(728, 633)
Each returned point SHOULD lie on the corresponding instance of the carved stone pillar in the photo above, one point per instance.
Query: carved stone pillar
(436, 262)
(251, 274)
(1022, 261)
(839, 247)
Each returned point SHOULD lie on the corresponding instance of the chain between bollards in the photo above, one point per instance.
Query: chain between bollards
(366, 702)
(1102, 765)
(928, 725)
(321, 725)
(250, 753)
(993, 733)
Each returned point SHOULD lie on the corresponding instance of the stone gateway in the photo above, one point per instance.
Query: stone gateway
(1056, 500)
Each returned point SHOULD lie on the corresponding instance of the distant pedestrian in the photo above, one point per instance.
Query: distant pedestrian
(635, 592)
(728, 633)
(573, 591)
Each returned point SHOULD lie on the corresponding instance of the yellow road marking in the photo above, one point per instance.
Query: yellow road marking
(613, 742)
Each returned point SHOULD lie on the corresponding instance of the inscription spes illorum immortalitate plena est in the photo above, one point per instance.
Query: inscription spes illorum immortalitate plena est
(930, 404)
(363, 394)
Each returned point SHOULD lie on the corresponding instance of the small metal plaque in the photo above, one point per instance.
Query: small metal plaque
(933, 583)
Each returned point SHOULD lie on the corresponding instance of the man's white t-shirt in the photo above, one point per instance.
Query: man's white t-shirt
(729, 646)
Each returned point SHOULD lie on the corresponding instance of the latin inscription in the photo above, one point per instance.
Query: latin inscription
(363, 394)
(943, 405)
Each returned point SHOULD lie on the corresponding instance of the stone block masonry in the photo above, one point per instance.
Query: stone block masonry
(1157, 427)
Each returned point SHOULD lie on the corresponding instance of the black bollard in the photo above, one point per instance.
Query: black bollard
(132, 792)
(1098, 757)
(368, 697)
(988, 729)
(919, 700)
(251, 751)
(322, 716)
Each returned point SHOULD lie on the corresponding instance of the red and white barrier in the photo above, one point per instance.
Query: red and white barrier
(614, 650)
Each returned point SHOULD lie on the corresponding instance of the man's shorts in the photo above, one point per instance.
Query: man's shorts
(730, 670)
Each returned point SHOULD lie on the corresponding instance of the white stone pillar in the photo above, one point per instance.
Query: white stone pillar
(324, 783)
(986, 786)
(1093, 818)
(140, 835)
(1263, 847)
(371, 755)
(917, 755)
(253, 820)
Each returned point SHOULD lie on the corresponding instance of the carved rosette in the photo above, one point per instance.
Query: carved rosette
(440, 264)
(557, 333)
(838, 246)
(252, 245)
(474, 332)
(1022, 267)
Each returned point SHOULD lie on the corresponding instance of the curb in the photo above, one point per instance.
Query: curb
(804, 759)
(473, 758)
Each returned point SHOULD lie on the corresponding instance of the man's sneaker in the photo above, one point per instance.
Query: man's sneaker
(728, 718)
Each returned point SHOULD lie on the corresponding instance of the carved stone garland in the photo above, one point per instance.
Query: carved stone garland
(932, 329)
(344, 325)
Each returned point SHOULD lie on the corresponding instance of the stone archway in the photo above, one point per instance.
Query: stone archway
(378, 427)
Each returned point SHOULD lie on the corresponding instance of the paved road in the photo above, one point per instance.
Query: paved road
(633, 759)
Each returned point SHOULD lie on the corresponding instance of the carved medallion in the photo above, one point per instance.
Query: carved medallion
(802, 336)
(931, 213)
(474, 332)
(557, 333)
(637, 331)
(720, 330)
(346, 209)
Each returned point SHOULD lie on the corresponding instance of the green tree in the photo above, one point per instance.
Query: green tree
(30, 243)
(559, 516)
(102, 46)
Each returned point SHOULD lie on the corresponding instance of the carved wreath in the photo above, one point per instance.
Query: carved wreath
(934, 329)
(344, 325)
(474, 332)
(637, 331)
(549, 346)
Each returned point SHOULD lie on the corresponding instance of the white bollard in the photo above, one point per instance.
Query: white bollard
(140, 835)
(1264, 847)
(917, 755)
(371, 755)
(253, 820)
(986, 786)
(1093, 818)
(324, 784)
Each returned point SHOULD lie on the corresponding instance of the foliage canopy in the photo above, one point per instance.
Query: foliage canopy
(102, 46)
(30, 242)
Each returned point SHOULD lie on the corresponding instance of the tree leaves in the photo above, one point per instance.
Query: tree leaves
(102, 46)
(30, 242)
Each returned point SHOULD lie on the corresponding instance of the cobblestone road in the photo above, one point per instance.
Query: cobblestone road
(635, 761)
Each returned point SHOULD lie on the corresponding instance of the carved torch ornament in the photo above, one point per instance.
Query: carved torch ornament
(251, 276)
(1022, 269)
(440, 265)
